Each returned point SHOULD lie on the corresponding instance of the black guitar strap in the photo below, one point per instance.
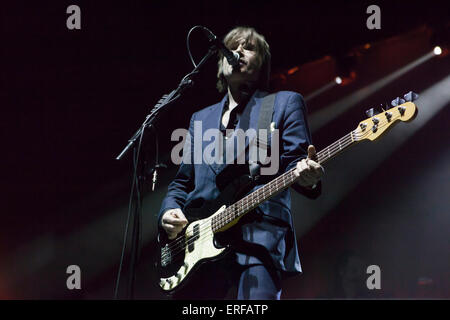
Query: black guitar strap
(264, 122)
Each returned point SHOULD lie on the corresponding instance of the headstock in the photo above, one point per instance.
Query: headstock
(377, 123)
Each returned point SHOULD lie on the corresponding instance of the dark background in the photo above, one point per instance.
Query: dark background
(72, 98)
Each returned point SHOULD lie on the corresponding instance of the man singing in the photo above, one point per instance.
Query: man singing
(263, 243)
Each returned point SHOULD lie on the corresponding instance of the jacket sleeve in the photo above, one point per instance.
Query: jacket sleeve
(183, 183)
(296, 138)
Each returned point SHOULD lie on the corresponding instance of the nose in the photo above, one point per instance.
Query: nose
(239, 49)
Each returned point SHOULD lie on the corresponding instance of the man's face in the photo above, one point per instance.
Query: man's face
(248, 69)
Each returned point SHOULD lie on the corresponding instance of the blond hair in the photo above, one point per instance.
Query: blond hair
(262, 50)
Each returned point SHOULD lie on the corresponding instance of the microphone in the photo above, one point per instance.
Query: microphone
(232, 57)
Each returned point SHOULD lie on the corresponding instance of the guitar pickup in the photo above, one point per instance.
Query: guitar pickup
(195, 237)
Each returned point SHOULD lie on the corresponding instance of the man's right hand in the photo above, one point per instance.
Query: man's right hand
(173, 221)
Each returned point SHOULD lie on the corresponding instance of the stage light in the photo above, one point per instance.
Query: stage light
(437, 50)
(293, 70)
(337, 81)
(342, 179)
(321, 90)
(326, 114)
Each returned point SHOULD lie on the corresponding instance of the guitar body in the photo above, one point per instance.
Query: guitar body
(197, 244)
(199, 247)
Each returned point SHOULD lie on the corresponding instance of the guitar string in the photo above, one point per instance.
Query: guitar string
(343, 141)
(245, 204)
(248, 205)
(209, 226)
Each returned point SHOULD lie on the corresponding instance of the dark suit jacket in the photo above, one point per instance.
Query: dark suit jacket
(267, 235)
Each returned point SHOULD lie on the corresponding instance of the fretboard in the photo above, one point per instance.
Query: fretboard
(254, 199)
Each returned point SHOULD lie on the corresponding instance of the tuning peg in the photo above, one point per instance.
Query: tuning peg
(411, 96)
(397, 101)
(370, 113)
(384, 106)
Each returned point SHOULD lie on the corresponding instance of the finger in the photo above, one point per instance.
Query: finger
(171, 236)
(301, 166)
(169, 228)
(312, 152)
(303, 170)
(173, 221)
(179, 215)
(310, 166)
(313, 174)
(172, 227)
(182, 219)
(319, 170)
(306, 181)
(308, 178)
(315, 167)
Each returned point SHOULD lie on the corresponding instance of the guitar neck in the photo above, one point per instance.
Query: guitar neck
(254, 199)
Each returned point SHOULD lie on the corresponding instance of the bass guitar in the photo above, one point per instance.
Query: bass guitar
(196, 244)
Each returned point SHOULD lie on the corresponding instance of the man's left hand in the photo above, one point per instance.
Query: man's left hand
(309, 170)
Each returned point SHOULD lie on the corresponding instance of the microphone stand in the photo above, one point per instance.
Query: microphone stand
(139, 174)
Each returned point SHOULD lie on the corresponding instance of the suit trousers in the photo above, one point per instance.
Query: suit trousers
(226, 279)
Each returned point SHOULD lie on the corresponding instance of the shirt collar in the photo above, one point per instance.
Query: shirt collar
(240, 106)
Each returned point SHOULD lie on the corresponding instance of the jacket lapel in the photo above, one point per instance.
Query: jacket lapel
(248, 119)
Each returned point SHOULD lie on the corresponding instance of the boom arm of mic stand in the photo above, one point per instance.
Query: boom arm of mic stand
(147, 123)
(174, 95)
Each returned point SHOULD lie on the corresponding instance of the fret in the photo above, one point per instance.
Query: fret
(283, 181)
